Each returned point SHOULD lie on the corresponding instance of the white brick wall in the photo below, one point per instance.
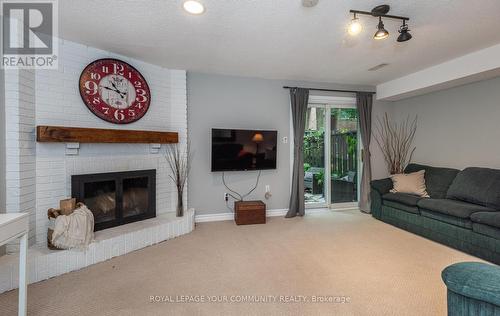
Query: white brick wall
(39, 174)
(20, 145)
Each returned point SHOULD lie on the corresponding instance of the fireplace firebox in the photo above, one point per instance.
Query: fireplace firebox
(117, 198)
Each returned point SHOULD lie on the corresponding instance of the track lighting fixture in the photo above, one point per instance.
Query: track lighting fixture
(380, 12)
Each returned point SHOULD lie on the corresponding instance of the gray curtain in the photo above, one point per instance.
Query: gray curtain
(299, 99)
(364, 104)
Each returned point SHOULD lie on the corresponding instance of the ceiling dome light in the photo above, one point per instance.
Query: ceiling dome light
(381, 33)
(404, 33)
(354, 27)
(193, 7)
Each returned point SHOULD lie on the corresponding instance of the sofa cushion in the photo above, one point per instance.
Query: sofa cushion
(402, 201)
(404, 198)
(449, 219)
(452, 207)
(437, 180)
(486, 230)
(477, 185)
(382, 185)
(402, 207)
(410, 183)
(487, 218)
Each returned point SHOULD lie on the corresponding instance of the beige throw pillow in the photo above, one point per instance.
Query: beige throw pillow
(411, 183)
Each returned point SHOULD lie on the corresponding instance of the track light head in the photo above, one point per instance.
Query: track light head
(354, 27)
(404, 33)
(381, 33)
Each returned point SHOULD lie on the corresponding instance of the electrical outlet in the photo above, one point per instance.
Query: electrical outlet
(284, 140)
(226, 197)
(268, 188)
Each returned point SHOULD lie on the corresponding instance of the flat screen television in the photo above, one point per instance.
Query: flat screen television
(241, 149)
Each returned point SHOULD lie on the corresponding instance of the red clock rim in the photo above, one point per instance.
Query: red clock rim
(105, 117)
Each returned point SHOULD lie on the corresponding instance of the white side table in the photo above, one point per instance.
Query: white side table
(12, 226)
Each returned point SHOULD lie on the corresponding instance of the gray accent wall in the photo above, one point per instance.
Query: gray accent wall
(458, 127)
(247, 103)
(379, 167)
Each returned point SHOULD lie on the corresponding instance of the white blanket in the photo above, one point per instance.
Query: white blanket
(75, 230)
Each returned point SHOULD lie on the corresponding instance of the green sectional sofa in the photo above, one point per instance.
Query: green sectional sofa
(463, 210)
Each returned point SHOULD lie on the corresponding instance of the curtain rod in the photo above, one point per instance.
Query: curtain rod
(330, 90)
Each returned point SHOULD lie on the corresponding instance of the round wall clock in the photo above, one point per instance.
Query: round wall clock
(114, 91)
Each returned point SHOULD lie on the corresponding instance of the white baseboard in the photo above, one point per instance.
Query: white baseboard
(213, 217)
(226, 216)
(276, 212)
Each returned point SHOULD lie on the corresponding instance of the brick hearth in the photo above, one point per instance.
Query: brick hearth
(44, 263)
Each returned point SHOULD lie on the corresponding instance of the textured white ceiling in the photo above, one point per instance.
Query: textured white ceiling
(280, 38)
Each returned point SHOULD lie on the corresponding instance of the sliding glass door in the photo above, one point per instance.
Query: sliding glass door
(331, 153)
(344, 155)
(314, 156)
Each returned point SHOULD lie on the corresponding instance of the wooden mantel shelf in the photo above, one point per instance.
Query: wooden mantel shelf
(61, 134)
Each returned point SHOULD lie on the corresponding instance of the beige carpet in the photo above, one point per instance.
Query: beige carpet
(381, 270)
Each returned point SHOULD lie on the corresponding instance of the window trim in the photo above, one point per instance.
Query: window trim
(333, 101)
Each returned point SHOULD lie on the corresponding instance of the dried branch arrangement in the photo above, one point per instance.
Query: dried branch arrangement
(396, 142)
(179, 162)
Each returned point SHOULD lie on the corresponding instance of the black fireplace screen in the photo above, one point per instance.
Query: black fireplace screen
(117, 198)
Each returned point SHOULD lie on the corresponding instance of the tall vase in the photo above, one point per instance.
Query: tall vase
(180, 204)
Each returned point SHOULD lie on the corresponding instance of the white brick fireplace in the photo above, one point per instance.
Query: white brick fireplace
(38, 175)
